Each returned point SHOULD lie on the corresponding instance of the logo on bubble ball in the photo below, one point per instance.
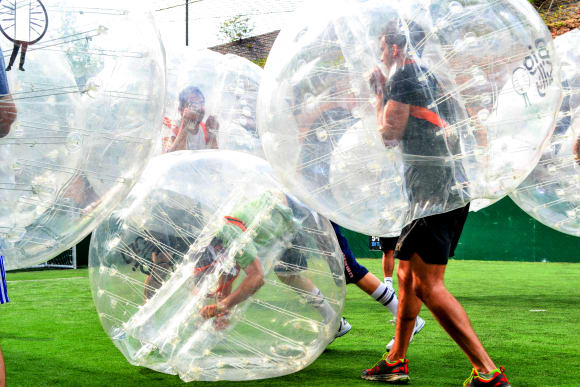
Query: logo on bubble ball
(538, 65)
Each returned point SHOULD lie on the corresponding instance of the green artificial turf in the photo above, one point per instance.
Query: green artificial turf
(526, 314)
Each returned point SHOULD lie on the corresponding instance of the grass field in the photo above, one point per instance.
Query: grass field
(526, 314)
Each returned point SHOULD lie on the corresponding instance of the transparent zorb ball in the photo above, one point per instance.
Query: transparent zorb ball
(367, 104)
(551, 193)
(212, 98)
(209, 271)
(86, 83)
(240, 81)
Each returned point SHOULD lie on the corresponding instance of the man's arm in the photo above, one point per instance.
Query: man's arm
(213, 127)
(254, 280)
(7, 114)
(188, 117)
(180, 141)
(377, 83)
(394, 120)
(7, 106)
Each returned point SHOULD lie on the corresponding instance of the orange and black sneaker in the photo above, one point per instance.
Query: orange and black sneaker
(495, 378)
(396, 372)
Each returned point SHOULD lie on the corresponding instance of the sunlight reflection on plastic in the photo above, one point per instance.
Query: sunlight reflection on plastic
(87, 95)
(551, 193)
(470, 95)
(209, 271)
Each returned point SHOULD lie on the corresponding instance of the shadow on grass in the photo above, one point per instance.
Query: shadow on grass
(333, 368)
(5, 336)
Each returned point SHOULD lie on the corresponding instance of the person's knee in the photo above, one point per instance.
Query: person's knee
(421, 290)
(404, 276)
(426, 289)
(288, 278)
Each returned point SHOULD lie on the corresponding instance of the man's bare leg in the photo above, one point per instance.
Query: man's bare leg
(2, 370)
(409, 307)
(388, 263)
(429, 287)
(369, 283)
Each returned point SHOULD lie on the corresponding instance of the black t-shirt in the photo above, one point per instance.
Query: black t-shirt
(421, 136)
(430, 173)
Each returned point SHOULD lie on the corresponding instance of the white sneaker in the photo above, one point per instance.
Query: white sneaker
(419, 324)
(343, 328)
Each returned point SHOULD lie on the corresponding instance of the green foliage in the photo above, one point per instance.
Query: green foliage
(260, 62)
(51, 335)
(77, 44)
(236, 28)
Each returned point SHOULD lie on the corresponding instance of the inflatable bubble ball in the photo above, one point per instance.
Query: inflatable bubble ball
(211, 100)
(375, 113)
(82, 92)
(551, 193)
(209, 271)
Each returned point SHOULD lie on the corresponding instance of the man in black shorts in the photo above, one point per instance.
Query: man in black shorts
(407, 116)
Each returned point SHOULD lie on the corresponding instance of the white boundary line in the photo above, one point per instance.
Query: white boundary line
(47, 280)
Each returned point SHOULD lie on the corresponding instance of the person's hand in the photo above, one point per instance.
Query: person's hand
(213, 310)
(222, 321)
(377, 81)
(212, 124)
(390, 144)
(7, 115)
(192, 115)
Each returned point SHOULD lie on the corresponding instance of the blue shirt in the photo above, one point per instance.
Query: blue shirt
(3, 285)
(3, 80)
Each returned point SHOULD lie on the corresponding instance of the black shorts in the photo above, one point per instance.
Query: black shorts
(434, 237)
(292, 261)
(388, 243)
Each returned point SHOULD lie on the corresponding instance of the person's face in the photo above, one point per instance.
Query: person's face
(194, 108)
(386, 53)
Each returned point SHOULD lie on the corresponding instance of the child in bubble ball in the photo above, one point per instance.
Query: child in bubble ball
(424, 245)
(190, 132)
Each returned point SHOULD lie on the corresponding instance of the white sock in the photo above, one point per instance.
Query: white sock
(386, 296)
(317, 300)
(389, 282)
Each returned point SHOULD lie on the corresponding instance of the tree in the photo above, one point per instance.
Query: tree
(236, 28)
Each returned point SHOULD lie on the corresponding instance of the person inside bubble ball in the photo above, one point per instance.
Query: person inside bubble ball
(322, 129)
(406, 118)
(274, 218)
(190, 132)
(225, 297)
(277, 227)
(165, 252)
